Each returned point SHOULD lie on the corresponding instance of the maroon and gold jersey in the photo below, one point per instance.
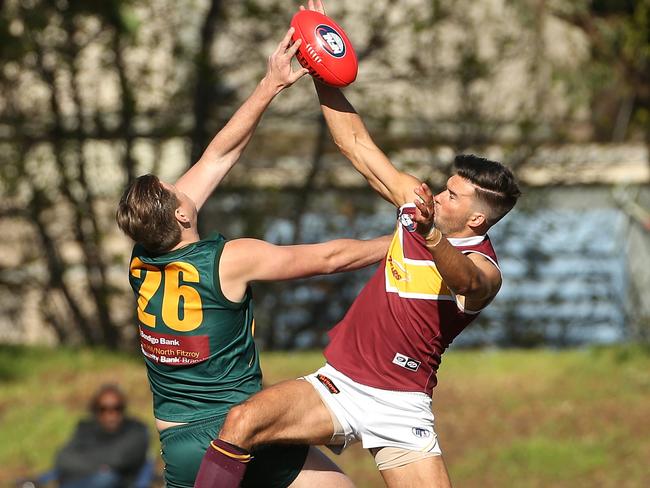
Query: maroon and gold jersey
(405, 317)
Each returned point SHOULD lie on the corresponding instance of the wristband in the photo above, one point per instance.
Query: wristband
(433, 238)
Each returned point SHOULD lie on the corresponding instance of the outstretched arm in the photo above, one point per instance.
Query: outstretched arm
(354, 141)
(227, 146)
(246, 260)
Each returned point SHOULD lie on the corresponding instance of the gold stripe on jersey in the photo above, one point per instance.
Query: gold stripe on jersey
(413, 278)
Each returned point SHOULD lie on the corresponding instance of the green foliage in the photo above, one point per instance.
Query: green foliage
(618, 33)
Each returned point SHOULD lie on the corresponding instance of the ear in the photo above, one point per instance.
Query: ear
(477, 220)
(182, 217)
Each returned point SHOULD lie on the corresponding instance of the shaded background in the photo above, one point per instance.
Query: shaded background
(93, 94)
(96, 93)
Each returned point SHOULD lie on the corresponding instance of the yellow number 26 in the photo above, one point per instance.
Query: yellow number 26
(174, 292)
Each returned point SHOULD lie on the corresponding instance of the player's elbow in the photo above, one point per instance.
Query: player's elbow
(474, 286)
(221, 159)
(222, 153)
(333, 263)
(336, 259)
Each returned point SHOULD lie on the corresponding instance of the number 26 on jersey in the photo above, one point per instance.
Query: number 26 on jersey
(180, 306)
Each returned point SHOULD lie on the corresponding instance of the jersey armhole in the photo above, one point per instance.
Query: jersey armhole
(217, 282)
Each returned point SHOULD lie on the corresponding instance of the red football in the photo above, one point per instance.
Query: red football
(325, 50)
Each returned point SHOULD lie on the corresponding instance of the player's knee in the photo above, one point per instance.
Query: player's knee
(239, 426)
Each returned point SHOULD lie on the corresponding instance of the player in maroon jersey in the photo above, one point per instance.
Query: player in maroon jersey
(384, 355)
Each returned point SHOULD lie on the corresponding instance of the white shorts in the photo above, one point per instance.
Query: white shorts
(376, 417)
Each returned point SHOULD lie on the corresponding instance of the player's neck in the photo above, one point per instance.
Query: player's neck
(188, 236)
(466, 231)
(461, 234)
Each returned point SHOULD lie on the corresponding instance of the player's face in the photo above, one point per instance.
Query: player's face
(453, 206)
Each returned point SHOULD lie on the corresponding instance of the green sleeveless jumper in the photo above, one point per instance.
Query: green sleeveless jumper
(198, 345)
(201, 359)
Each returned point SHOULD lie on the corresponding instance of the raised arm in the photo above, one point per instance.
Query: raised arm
(352, 138)
(246, 260)
(227, 146)
(354, 141)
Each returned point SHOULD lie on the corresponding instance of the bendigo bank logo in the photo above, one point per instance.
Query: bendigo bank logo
(330, 40)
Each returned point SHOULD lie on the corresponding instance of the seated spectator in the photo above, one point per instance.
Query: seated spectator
(108, 450)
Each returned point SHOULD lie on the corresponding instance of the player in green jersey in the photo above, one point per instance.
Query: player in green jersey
(195, 312)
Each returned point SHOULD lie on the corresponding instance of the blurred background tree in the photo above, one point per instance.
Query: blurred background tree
(618, 71)
(96, 93)
(74, 84)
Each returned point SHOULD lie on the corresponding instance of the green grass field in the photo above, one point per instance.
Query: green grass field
(505, 418)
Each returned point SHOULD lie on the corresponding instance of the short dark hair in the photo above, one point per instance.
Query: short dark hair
(94, 405)
(146, 213)
(495, 184)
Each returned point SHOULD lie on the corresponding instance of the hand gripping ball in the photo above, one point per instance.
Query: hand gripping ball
(325, 49)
